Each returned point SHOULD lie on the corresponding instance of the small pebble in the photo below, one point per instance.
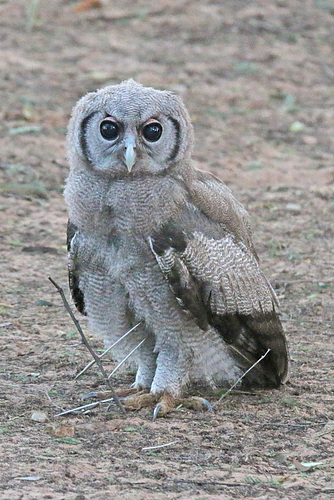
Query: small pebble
(297, 127)
(295, 208)
(39, 416)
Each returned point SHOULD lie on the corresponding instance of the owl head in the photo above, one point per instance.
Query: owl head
(128, 129)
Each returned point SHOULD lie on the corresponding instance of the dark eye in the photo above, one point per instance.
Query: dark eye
(109, 130)
(152, 131)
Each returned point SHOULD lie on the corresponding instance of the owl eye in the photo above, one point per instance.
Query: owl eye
(109, 130)
(152, 131)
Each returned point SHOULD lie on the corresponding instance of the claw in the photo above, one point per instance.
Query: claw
(90, 395)
(197, 403)
(207, 405)
(158, 407)
(168, 403)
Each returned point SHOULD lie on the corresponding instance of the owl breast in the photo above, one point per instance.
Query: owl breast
(140, 205)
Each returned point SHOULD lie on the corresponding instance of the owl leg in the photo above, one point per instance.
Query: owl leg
(166, 388)
(146, 359)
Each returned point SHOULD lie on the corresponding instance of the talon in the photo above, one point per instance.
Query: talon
(156, 411)
(90, 395)
(197, 403)
(207, 405)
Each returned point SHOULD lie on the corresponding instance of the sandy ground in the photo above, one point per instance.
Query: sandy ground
(257, 78)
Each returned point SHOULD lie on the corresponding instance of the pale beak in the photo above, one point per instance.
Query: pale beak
(130, 151)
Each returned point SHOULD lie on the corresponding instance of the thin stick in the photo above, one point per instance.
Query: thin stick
(89, 405)
(242, 376)
(52, 402)
(126, 357)
(280, 424)
(107, 350)
(159, 446)
(86, 343)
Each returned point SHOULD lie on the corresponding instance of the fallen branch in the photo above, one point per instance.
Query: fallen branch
(123, 360)
(86, 343)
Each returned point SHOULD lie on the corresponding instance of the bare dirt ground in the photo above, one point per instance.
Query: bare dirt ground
(257, 77)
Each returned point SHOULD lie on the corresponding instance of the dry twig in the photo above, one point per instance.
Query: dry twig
(159, 446)
(86, 343)
(52, 402)
(88, 406)
(126, 357)
(282, 424)
(107, 350)
(242, 376)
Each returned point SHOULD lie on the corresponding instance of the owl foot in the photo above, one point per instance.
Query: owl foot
(165, 405)
(124, 393)
(144, 400)
(169, 403)
(140, 400)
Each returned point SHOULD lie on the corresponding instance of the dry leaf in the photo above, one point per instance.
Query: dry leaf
(63, 431)
(87, 4)
(303, 466)
(297, 465)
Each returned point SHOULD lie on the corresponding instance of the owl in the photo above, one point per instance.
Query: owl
(153, 240)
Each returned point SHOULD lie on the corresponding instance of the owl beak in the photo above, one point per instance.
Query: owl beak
(130, 151)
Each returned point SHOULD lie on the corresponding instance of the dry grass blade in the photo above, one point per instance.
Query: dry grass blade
(91, 363)
(126, 357)
(159, 446)
(242, 376)
(83, 407)
(86, 343)
(283, 424)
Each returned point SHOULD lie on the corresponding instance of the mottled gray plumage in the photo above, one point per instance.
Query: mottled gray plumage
(153, 239)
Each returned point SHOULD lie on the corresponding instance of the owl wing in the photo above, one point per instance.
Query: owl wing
(215, 200)
(73, 268)
(218, 281)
